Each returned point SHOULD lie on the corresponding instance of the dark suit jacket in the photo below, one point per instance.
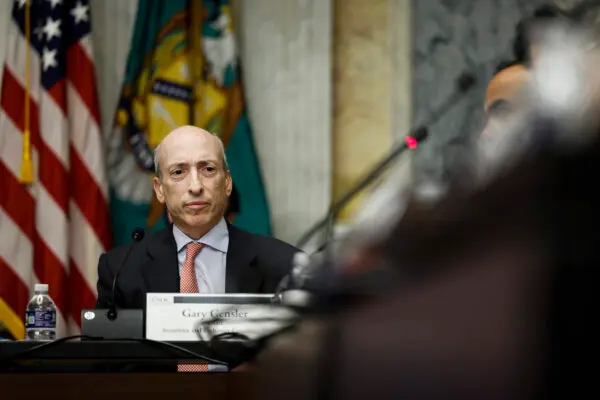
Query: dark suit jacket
(255, 264)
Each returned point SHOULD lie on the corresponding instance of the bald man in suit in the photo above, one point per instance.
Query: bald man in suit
(194, 182)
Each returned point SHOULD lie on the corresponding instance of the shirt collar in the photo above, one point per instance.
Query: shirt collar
(217, 237)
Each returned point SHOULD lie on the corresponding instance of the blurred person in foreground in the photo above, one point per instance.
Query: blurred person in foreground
(200, 251)
(508, 104)
(498, 292)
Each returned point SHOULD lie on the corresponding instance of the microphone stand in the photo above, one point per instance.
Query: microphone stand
(464, 83)
(137, 235)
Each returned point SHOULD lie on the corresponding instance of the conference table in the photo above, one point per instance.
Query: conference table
(101, 369)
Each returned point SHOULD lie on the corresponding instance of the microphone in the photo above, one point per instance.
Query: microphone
(463, 84)
(137, 235)
(327, 222)
(419, 136)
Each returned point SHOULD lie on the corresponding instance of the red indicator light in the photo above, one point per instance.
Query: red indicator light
(411, 142)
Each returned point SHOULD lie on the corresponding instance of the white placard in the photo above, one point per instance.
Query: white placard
(184, 317)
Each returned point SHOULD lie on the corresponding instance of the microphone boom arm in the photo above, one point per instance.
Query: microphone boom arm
(339, 205)
(463, 84)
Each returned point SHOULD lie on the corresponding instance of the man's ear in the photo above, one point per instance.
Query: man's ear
(158, 189)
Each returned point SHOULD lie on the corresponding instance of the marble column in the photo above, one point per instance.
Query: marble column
(371, 80)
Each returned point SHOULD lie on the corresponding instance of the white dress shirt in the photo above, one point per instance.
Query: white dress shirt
(210, 263)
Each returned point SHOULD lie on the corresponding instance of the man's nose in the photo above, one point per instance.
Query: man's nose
(195, 185)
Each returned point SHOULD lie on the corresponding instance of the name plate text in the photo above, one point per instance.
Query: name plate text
(189, 317)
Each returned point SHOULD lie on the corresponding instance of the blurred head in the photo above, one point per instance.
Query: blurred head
(508, 108)
(192, 179)
(506, 99)
(547, 77)
(509, 103)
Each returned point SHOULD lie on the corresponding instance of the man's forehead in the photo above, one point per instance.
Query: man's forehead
(185, 155)
(508, 84)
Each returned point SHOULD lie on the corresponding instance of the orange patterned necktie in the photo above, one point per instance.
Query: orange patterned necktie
(187, 280)
(189, 284)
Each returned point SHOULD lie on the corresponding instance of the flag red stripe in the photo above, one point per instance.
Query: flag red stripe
(88, 196)
(90, 199)
(82, 296)
(13, 290)
(53, 174)
(58, 93)
(13, 101)
(17, 202)
(80, 71)
(50, 270)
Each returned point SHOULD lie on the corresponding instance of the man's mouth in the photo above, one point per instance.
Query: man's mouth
(196, 204)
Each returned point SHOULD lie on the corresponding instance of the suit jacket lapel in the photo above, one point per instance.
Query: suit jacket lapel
(161, 274)
(243, 274)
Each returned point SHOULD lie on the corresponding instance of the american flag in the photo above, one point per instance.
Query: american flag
(54, 229)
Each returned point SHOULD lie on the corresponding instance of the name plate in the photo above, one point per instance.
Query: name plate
(189, 317)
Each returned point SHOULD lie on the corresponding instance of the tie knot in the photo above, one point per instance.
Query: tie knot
(192, 250)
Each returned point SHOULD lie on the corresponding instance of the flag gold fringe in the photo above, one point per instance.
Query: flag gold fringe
(12, 321)
(26, 161)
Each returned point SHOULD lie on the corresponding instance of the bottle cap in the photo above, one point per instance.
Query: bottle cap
(41, 287)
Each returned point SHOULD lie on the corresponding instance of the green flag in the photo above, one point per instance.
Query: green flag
(183, 68)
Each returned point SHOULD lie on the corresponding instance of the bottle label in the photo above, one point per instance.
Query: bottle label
(40, 319)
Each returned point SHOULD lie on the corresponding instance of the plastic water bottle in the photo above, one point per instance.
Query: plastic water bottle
(40, 315)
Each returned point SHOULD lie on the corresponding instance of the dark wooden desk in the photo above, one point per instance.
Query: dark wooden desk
(110, 370)
(65, 386)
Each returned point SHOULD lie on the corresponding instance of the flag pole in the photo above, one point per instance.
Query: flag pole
(26, 176)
